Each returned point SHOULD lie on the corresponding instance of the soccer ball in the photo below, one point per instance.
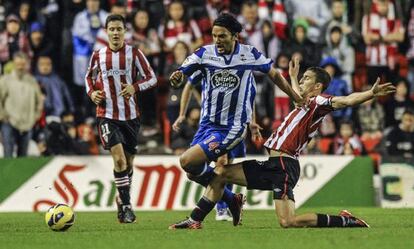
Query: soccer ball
(59, 217)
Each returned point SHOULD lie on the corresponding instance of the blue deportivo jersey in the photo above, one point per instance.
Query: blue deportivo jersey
(227, 81)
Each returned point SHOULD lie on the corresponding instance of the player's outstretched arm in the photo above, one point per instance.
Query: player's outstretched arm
(357, 98)
(184, 101)
(284, 85)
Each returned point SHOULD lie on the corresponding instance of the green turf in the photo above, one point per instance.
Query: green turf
(390, 228)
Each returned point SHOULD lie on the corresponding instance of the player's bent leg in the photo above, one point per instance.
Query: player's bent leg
(232, 173)
(285, 211)
(193, 160)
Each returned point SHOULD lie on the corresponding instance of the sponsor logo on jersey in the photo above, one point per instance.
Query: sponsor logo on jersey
(225, 80)
(115, 72)
(213, 58)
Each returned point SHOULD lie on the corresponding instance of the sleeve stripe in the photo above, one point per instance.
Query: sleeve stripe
(89, 78)
(149, 79)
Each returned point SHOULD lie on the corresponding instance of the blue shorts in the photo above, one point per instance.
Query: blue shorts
(238, 151)
(217, 141)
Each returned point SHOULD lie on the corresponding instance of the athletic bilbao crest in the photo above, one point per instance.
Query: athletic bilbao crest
(225, 80)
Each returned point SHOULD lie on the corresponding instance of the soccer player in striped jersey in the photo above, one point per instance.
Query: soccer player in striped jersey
(228, 91)
(281, 171)
(115, 75)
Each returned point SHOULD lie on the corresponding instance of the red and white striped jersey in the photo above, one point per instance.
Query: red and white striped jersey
(381, 53)
(108, 69)
(300, 126)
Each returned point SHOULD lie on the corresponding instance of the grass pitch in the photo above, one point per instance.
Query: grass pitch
(390, 228)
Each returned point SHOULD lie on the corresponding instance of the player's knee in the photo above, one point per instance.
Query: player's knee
(286, 223)
(184, 161)
(222, 172)
(120, 163)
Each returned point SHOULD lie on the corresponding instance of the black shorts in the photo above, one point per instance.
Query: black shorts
(279, 174)
(113, 132)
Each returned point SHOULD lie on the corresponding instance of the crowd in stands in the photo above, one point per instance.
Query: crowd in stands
(355, 41)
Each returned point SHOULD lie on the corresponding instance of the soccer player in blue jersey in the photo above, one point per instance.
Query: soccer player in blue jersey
(239, 151)
(228, 91)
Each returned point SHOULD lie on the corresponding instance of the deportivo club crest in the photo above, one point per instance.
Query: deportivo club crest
(225, 80)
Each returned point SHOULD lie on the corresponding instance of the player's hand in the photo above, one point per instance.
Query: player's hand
(176, 79)
(97, 97)
(177, 123)
(255, 131)
(294, 66)
(383, 89)
(127, 90)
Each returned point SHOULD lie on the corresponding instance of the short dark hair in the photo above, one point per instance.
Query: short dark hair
(322, 76)
(114, 17)
(229, 22)
(336, 29)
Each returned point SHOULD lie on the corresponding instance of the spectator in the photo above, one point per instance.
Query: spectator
(309, 53)
(337, 87)
(18, 117)
(371, 119)
(396, 105)
(58, 98)
(339, 18)
(313, 148)
(69, 9)
(275, 10)
(86, 136)
(315, 12)
(281, 99)
(400, 140)
(40, 45)
(338, 48)
(382, 31)
(180, 52)
(145, 38)
(215, 7)
(410, 52)
(13, 40)
(265, 40)
(84, 31)
(61, 137)
(178, 27)
(249, 18)
(26, 16)
(2, 15)
(346, 142)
